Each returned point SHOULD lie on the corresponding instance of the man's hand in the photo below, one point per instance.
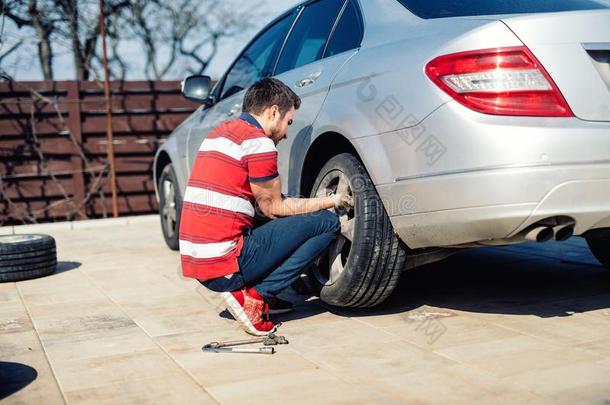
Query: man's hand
(269, 198)
(342, 202)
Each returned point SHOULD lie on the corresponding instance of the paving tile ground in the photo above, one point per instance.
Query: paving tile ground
(118, 323)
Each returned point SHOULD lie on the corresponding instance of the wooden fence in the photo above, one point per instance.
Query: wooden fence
(53, 163)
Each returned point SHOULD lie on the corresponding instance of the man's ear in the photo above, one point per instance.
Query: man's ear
(268, 113)
(275, 111)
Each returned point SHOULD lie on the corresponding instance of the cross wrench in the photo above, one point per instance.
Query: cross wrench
(260, 350)
(224, 347)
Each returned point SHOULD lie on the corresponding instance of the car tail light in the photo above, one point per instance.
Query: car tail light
(503, 81)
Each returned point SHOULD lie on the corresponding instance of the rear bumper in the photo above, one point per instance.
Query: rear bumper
(460, 208)
(459, 176)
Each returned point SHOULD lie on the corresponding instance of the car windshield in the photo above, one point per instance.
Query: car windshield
(458, 8)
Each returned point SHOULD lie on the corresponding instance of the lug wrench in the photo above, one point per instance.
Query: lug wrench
(260, 350)
(225, 347)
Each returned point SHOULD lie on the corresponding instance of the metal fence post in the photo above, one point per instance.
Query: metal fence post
(74, 125)
(115, 208)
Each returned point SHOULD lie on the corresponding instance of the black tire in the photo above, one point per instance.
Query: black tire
(28, 274)
(169, 211)
(23, 257)
(601, 250)
(46, 258)
(375, 259)
(38, 253)
(18, 244)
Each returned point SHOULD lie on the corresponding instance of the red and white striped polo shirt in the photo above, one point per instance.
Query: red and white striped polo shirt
(218, 202)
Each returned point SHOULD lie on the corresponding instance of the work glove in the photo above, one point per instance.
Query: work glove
(342, 202)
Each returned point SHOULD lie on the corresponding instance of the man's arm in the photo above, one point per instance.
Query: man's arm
(268, 195)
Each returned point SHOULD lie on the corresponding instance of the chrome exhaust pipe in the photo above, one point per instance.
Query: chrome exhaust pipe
(540, 234)
(542, 231)
(563, 233)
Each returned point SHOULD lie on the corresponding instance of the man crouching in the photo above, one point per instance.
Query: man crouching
(235, 168)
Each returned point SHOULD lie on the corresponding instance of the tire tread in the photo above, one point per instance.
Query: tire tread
(381, 256)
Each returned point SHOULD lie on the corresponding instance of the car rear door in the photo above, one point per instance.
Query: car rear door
(255, 62)
(326, 35)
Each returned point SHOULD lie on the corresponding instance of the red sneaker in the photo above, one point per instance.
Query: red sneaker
(247, 307)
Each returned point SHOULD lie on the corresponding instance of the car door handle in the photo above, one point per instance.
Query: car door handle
(236, 108)
(309, 80)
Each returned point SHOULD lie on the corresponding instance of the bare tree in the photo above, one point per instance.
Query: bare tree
(81, 29)
(185, 32)
(42, 18)
(71, 24)
(175, 37)
(3, 41)
(11, 49)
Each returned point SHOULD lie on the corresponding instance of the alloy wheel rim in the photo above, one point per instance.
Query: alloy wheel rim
(9, 239)
(331, 265)
(169, 208)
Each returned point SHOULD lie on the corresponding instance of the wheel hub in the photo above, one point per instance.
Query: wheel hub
(169, 208)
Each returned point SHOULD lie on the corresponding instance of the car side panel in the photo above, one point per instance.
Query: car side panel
(384, 89)
(293, 149)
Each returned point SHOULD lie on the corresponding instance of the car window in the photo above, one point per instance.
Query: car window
(457, 8)
(257, 61)
(308, 38)
(348, 33)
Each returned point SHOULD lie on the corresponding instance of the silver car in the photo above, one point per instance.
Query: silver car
(453, 124)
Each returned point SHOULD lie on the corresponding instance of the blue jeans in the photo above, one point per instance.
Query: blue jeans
(275, 254)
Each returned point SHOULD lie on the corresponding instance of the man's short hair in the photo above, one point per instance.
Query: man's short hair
(269, 92)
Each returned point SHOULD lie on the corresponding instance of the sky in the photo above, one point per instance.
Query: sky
(24, 65)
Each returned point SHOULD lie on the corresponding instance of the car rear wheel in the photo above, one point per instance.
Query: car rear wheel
(362, 267)
(601, 250)
(170, 206)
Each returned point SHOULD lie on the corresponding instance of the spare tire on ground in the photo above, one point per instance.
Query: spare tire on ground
(23, 257)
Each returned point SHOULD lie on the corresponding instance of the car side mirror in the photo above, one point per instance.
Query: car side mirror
(197, 88)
